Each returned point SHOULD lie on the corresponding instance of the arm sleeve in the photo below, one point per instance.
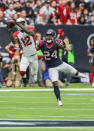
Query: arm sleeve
(15, 34)
(40, 44)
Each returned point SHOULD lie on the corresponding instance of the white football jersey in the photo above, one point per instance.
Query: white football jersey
(28, 43)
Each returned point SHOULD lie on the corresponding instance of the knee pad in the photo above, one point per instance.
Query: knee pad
(9, 83)
(17, 83)
(22, 73)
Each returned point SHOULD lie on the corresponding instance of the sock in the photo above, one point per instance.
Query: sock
(57, 92)
(24, 79)
(91, 78)
(35, 78)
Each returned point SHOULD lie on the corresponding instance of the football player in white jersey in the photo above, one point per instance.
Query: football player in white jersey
(26, 38)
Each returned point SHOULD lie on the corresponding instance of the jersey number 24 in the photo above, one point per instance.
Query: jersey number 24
(48, 56)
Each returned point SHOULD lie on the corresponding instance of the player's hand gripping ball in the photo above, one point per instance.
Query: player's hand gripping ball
(11, 23)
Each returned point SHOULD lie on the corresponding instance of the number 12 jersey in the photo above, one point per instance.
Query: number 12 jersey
(28, 43)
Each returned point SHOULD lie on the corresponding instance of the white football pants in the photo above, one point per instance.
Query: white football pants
(32, 62)
(64, 67)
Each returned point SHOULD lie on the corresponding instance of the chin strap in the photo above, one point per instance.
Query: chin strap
(49, 41)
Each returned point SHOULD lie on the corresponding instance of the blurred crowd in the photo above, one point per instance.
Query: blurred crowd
(44, 12)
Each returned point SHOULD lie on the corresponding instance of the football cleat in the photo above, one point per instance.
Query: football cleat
(81, 75)
(60, 103)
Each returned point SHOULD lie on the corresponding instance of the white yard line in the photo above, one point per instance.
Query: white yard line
(42, 119)
(46, 102)
(71, 89)
(48, 108)
(80, 128)
(69, 116)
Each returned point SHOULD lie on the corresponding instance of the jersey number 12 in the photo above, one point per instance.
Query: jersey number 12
(26, 41)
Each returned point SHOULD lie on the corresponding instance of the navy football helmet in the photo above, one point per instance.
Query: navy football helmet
(50, 35)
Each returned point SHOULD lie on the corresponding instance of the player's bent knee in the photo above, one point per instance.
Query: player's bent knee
(55, 83)
(22, 73)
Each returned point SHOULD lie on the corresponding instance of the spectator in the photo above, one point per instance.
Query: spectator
(14, 51)
(86, 14)
(70, 59)
(91, 7)
(79, 2)
(3, 5)
(63, 12)
(32, 3)
(81, 20)
(2, 21)
(73, 13)
(14, 77)
(5, 65)
(80, 9)
(92, 13)
(27, 20)
(91, 21)
(40, 58)
(23, 14)
(18, 7)
(29, 10)
(46, 12)
(37, 8)
(54, 6)
(9, 12)
(91, 61)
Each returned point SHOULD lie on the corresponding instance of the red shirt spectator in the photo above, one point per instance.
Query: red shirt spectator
(63, 12)
(73, 17)
(73, 13)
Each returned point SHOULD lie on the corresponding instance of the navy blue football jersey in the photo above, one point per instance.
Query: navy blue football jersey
(50, 53)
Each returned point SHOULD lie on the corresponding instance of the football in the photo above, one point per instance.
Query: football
(11, 23)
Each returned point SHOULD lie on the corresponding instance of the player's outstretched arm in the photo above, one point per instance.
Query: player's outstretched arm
(61, 44)
(31, 32)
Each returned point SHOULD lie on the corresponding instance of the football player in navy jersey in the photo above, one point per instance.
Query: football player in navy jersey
(50, 48)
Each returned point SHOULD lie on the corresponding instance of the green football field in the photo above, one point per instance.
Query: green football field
(41, 104)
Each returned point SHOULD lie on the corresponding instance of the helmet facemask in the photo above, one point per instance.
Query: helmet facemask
(20, 29)
(21, 21)
(49, 38)
(50, 35)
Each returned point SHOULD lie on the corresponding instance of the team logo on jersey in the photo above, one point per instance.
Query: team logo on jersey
(89, 38)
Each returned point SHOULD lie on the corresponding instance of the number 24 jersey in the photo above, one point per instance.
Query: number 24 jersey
(51, 53)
